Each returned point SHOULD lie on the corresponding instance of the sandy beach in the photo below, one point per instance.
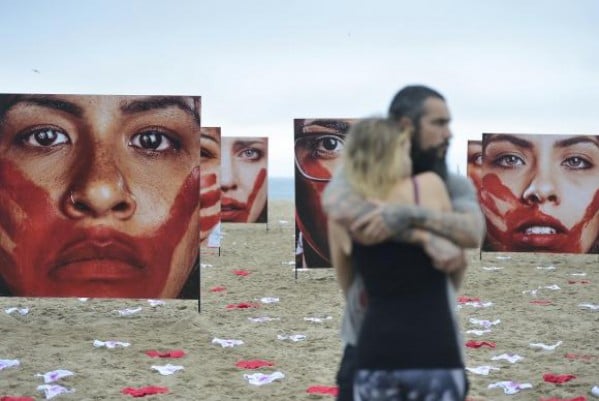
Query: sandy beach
(537, 298)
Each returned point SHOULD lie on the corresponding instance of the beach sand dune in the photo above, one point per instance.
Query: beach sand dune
(59, 333)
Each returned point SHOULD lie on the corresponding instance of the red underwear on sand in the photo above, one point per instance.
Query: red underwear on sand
(326, 390)
(557, 379)
(253, 364)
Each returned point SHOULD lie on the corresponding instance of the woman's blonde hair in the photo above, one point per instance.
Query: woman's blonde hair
(374, 156)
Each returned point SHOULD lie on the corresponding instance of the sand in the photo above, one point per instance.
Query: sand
(58, 333)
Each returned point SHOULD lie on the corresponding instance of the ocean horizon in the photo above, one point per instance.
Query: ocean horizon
(281, 188)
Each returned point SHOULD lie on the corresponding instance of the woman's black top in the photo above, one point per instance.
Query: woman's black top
(408, 322)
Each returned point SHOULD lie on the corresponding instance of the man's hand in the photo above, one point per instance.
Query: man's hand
(371, 228)
(446, 256)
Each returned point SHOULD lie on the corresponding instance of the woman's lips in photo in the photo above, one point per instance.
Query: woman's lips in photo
(89, 260)
(541, 230)
(232, 210)
(544, 232)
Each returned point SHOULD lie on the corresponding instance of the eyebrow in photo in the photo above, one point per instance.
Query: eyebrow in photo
(513, 139)
(48, 101)
(576, 140)
(239, 144)
(323, 127)
(523, 143)
(127, 107)
(210, 138)
(158, 102)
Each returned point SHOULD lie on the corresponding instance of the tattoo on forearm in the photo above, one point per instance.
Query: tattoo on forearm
(398, 218)
(462, 229)
(408, 236)
(342, 203)
(465, 227)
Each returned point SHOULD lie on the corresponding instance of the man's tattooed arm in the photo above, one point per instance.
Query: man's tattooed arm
(348, 208)
(465, 226)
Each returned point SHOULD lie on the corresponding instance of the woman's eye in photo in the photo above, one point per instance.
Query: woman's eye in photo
(576, 163)
(45, 137)
(477, 159)
(155, 141)
(252, 154)
(509, 161)
(327, 146)
(207, 154)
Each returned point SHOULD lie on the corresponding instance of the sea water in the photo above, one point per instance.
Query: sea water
(281, 188)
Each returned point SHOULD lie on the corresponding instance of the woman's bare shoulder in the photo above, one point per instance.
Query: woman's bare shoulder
(429, 178)
(339, 236)
(401, 192)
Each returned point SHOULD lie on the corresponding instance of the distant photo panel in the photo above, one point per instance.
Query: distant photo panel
(474, 162)
(210, 191)
(244, 179)
(99, 196)
(540, 193)
(317, 153)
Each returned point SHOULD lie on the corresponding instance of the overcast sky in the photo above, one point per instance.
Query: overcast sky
(511, 66)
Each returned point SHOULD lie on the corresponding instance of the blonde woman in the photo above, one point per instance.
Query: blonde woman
(408, 345)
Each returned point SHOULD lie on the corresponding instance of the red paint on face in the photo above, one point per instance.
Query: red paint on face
(310, 217)
(314, 168)
(239, 212)
(521, 216)
(260, 178)
(233, 211)
(207, 180)
(208, 222)
(493, 185)
(209, 198)
(57, 256)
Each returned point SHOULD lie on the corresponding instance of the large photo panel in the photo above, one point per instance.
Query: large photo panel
(317, 153)
(210, 191)
(244, 179)
(540, 193)
(99, 196)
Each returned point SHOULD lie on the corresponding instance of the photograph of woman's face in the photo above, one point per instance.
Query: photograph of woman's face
(243, 179)
(541, 192)
(99, 195)
(475, 163)
(209, 182)
(318, 147)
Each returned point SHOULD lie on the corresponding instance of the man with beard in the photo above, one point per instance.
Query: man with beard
(370, 222)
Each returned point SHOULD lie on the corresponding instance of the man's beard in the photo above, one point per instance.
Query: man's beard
(431, 159)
